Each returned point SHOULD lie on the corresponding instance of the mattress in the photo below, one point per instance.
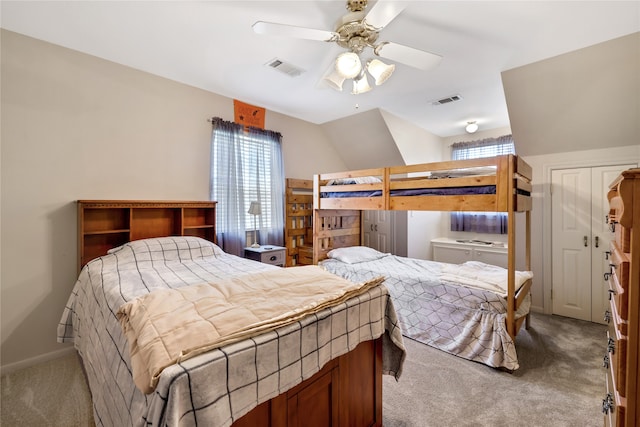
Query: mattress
(217, 387)
(442, 175)
(445, 191)
(457, 318)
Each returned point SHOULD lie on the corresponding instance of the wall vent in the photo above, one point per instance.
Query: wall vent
(284, 67)
(447, 100)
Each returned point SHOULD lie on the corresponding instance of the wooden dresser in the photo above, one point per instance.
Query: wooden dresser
(620, 404)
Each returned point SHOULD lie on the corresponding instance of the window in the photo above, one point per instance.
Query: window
(246, 166)
(484, 148)
(481, 222)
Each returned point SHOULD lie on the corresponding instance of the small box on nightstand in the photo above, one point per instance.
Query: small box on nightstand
(268, 254)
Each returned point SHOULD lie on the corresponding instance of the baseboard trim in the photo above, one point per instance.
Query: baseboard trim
(537, 309)
(26, 363)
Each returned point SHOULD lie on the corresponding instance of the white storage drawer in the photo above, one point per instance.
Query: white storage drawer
(457, 252)
(451, 254)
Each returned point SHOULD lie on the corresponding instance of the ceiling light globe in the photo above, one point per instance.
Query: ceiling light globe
(471, 127)
(380, 71)
(361, 85)
(335, 81)
(348, 65)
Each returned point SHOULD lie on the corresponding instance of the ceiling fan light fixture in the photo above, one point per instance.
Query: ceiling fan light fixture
(361, 85)
(348, 65)
(380, 71)
(471, 127)
(335, 80)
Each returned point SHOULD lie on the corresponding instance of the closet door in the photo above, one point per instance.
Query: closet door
(570, 248)
(377, 230)
(579, 239)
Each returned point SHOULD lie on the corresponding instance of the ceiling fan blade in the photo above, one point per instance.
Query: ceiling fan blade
(383, 12)
(273, 29)
(416, 58)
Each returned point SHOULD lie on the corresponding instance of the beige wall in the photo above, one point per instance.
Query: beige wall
(583, 100)
(75, 126)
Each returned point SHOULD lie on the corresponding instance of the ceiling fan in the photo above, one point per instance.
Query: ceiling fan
(355, 32)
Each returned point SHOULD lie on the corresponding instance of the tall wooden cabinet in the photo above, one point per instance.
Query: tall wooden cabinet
(298, 222)
(106, 224)
(620, 405)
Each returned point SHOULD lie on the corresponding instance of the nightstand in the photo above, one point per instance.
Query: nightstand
(268, 254)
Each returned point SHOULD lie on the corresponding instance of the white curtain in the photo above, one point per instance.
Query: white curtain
(246, 166)
(488, 147)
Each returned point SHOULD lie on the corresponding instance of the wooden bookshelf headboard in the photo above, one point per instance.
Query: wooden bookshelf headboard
(106, 224)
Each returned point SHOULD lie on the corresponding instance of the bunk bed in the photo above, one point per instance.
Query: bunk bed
(134, 254)
(496, 184)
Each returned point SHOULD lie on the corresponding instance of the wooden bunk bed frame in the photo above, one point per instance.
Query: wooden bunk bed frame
(337, 220)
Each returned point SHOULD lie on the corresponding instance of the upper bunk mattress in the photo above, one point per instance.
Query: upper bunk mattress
(445, 191)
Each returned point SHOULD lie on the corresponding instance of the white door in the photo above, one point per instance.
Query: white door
(579, 239)
(570, 249)
(377, 230)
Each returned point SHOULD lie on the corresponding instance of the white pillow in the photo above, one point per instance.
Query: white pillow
(179, 247)
(355, 254)
(356, 180)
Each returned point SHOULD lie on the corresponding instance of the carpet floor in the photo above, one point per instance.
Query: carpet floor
(560, 383)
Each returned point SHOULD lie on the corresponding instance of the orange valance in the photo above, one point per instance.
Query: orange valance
(248, 115)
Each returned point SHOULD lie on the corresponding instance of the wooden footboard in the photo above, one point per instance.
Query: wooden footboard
(346, 392)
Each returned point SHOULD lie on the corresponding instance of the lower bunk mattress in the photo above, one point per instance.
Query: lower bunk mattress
(460, 309)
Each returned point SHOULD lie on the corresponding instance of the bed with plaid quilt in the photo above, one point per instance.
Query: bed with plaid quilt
(460, 309)
(219, 386)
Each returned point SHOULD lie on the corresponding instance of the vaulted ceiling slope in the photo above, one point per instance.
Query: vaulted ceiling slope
(211, 45)
(364, 141)
(377, 138)
(582, 100)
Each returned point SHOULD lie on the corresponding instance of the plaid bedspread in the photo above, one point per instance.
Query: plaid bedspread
(217, 387)
(461, 320)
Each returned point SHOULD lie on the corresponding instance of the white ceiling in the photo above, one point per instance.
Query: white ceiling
(211, 45)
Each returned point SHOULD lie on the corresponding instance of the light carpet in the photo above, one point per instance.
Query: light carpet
(560, 383)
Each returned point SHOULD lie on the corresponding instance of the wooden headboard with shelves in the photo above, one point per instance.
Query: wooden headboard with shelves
(106, 224)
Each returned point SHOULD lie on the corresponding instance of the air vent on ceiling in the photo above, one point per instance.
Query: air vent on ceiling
(283, 67)
(447, 100)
